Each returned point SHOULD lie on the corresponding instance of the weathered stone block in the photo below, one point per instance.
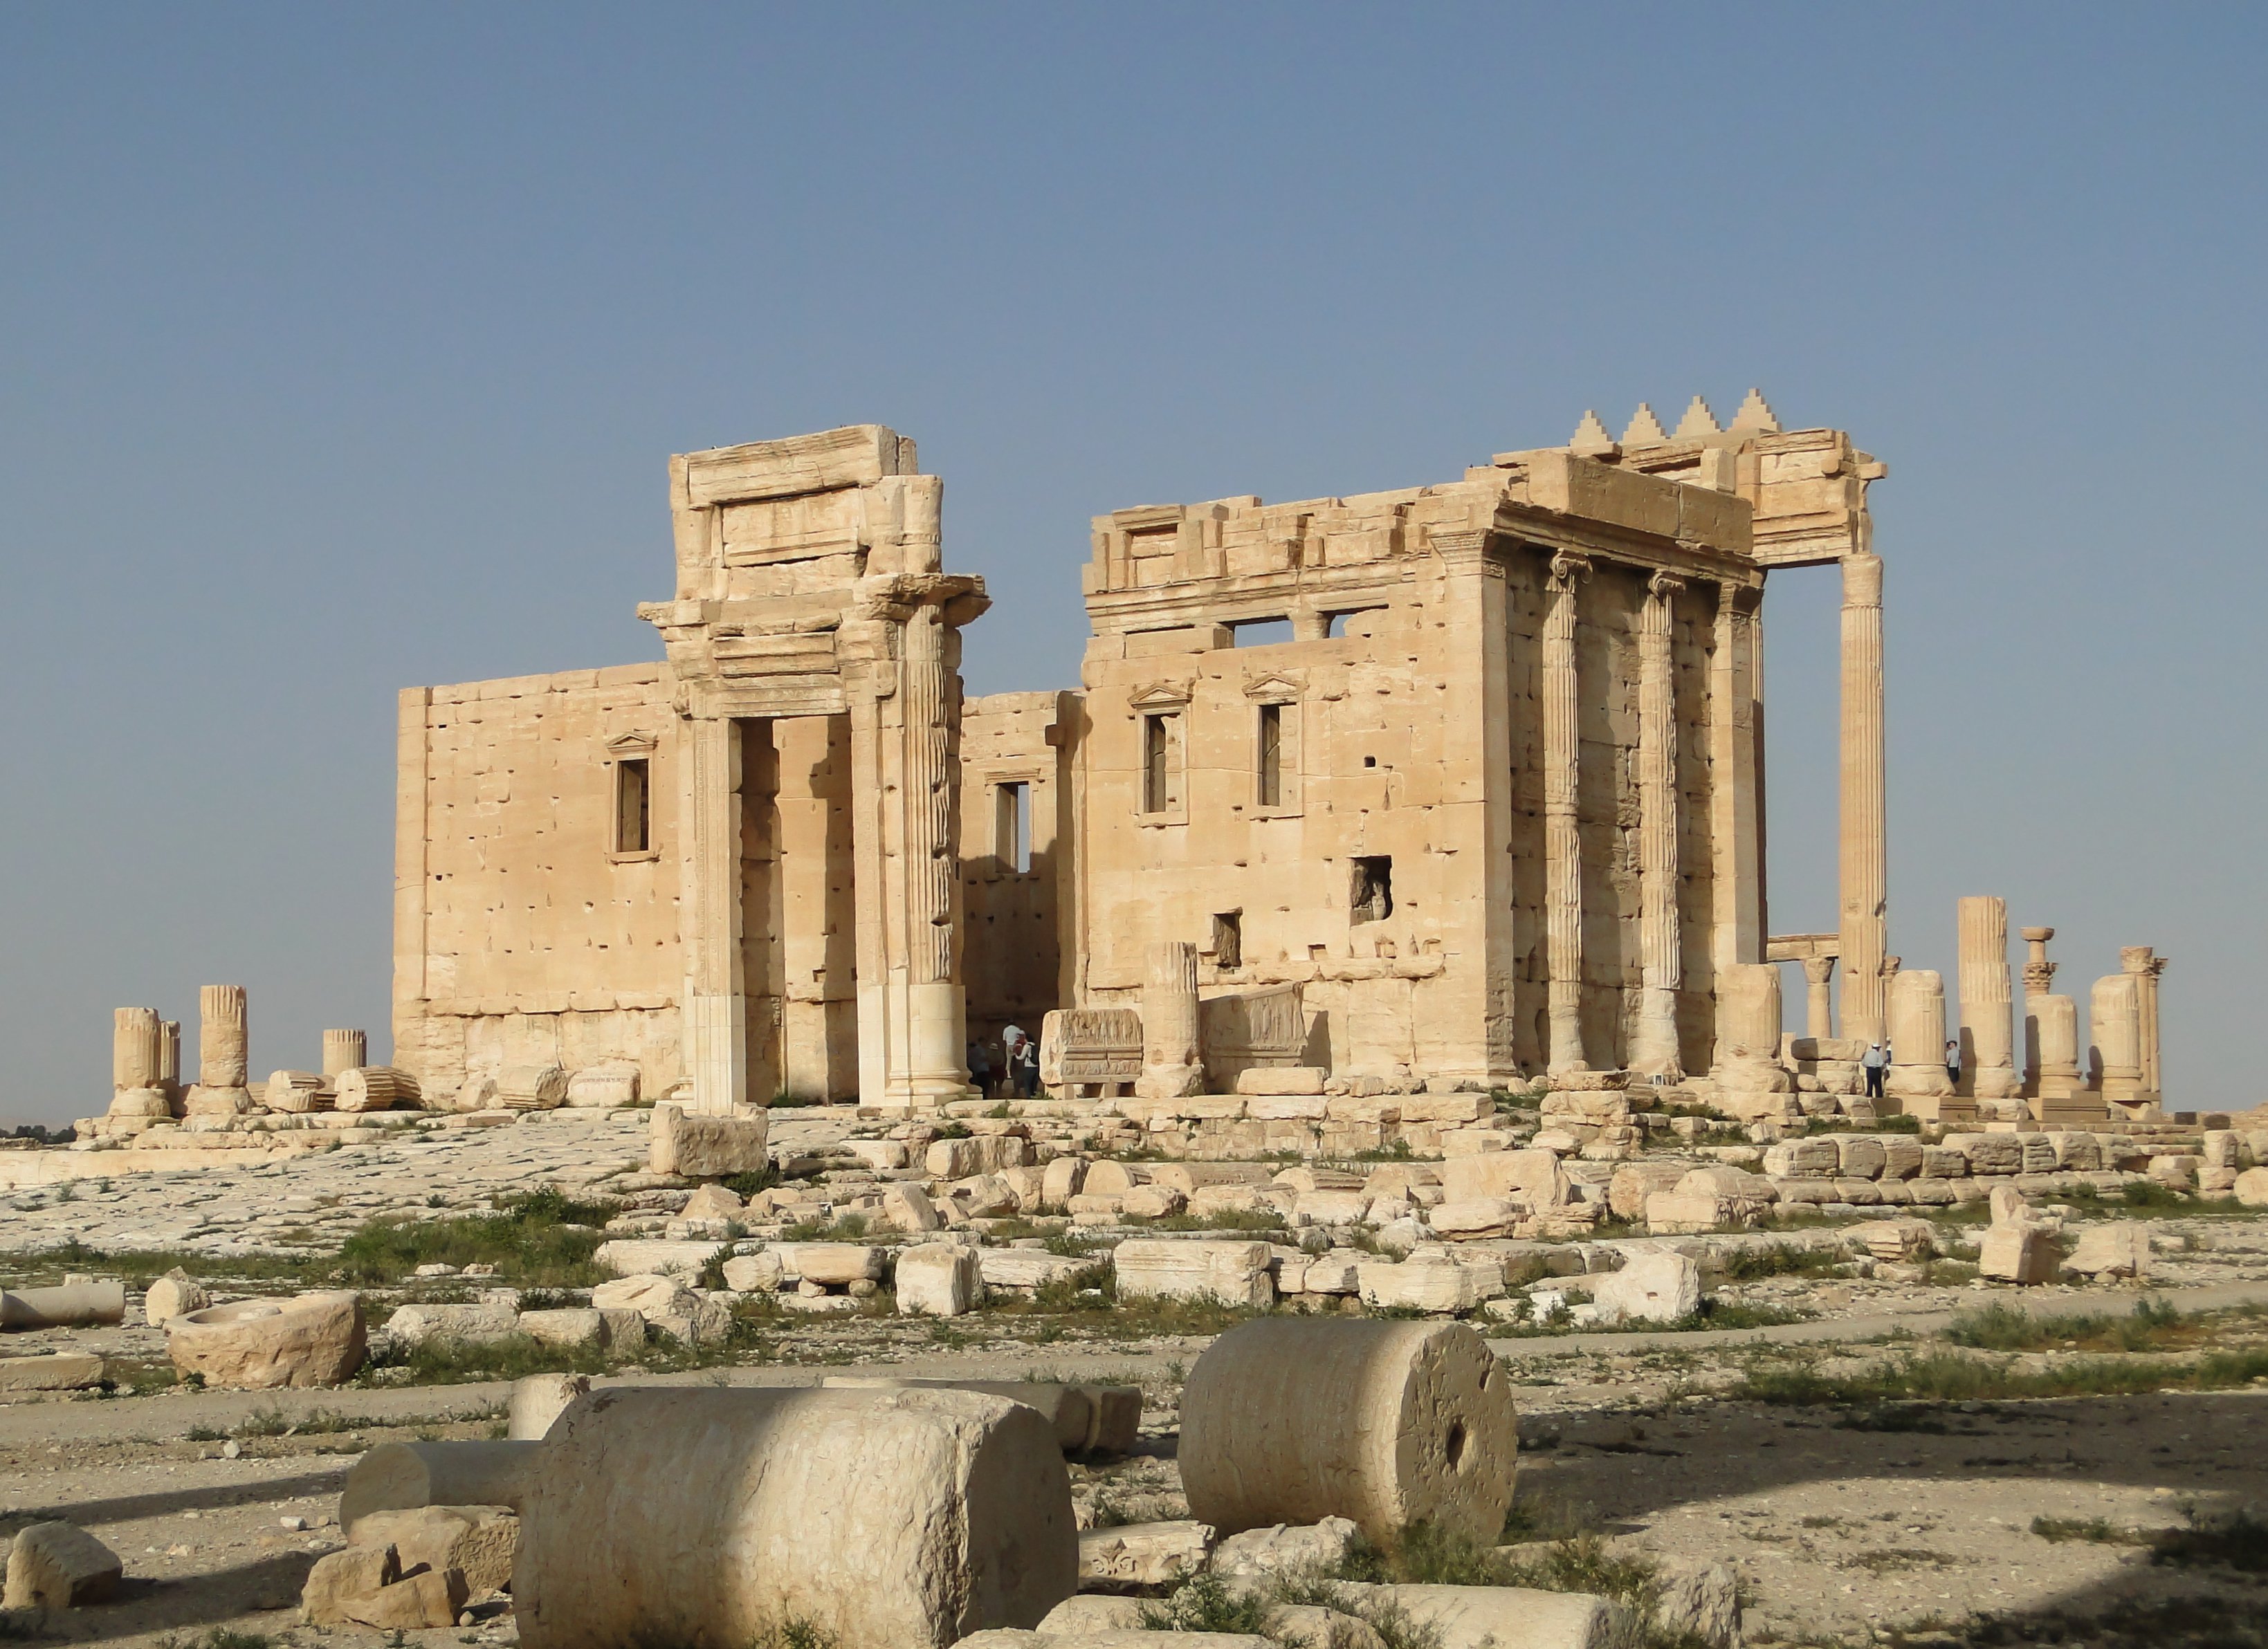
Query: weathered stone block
(1234, 1273)
(706, 1147)
(60, 1565)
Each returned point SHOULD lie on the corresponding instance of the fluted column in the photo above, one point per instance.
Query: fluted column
(1654, 1049)
(1917, 1077)
(1988, 1063)
(344, 1050)
(2113, 1024)
(2039, 980)
(1818, 998)
(1563, 857)
(1863, 929)
(2145, 965)
(716, 1006)
(135, 1050)
(222, 1043)
(936, 1038)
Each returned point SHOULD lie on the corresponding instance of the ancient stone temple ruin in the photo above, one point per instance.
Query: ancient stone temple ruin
(1457, 785)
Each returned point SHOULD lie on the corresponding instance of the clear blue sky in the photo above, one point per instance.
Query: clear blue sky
(341, 350)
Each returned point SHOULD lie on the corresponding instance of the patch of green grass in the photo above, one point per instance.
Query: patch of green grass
(1952, 1377)
(2239, 1542)
(795, 1633)
(844, 1228)
(540, 1238)
(2059, 1529)
(1258, 1220)
(1781, 1259)
(1422, 1554)
(2152, 1325)
(219, 1637)
(1204, 1603)
(1714, 1314)
(746, 1185)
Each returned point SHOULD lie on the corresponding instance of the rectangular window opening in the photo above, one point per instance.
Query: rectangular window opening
(1271, 756)
(1261, 632)
(1228, 938)
(1159, 786)
(1012, 830)
(1359, 621)
(633, 806)
(1371, 897)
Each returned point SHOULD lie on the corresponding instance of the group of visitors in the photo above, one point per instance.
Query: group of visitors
(1878, 1059)
(1020, 1078)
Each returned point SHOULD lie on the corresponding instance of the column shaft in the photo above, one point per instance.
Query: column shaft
(1562, 860)
(1656, 1052)
(1988, 1056)
(1863, 864)
(716, 1003)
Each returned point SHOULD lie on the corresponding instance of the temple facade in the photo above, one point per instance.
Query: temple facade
(1476, 765)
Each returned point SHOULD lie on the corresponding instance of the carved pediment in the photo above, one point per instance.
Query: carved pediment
(1275, 687)
(1153, 696)
(631, 746)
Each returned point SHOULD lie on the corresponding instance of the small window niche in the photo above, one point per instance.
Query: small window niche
(1271, 756)
(1162, 764)
(1228, 939)
(1371, 893)
(633, 836)
(1012, 825)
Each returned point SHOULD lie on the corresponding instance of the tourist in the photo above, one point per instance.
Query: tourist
(1952, 1061)
(1877, 1056)
(980, 1067)
(1024, 1065)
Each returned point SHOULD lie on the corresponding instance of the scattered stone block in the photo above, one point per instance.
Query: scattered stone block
(713, 1202)
(1062, 1180)
(314, 1339)
(1142, 1554)
(1634, 1181)
(478, 1542)
(59, 1565)
(1234, 1273)
(82, 1303)
(1026, 1268)
(938, 1279)
(1487, 1217)
(567, 1327)
(629, 1258)
(2017, 1254)
(1331, 1207)
(753, 1273)
(1281, 1548)
(1504, 1617)
(342, 1577)
(175, 1294)
(1896, 1240)
(706, 1147)
(52, 1371)
(375, 1088)
(909, 1208)
(2252, 1187)
(1534, 1179)
(468, 1324)
(416, 1602)
(832, 1264)
(1427, 1281)
(1282, 1080)
(1662, 1288)
(1153, 1202)
(608, 1086)
(2118, 1249)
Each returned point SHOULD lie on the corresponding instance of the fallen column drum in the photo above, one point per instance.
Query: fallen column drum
(884, 1519)
(1388, 1424)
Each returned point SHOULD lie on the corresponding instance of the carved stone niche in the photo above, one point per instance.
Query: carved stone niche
(1091, 1052)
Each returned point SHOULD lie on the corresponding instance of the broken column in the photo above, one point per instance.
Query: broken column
(1172, 1064)
(344, 1051)
(222, 1088)
(1563, 851)
(1388, 1423)
(1863, 866)
(1916, 1080)
(1750, 1081)
(1655, 1050)
(874, 1516)
(2039, 980)
(2145, 965)
(2114, 1017)
(136, 1057)
(2059, 1089)
(1818, 998)
(1988, 1058)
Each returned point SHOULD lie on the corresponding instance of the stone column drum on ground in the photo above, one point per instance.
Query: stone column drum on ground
(1988, 1045)
(882, 1519)
(343, 1052)
(1655, 1052)
(223, 1086)
(1173, 1065)
(1863, 862)
(1562, 854)
(1292, 1421)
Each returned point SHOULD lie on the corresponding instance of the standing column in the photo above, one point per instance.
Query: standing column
(1988, 1060)
(344, 1050)
(1562, 858)
(2039, 980)
(1862, 859)
(1171, 1060)
(1655, 1050)
(223, 1041)
(936, 1015)
(715, 1007)
(1818, 999)
(2145, 965)
(2114, 1021)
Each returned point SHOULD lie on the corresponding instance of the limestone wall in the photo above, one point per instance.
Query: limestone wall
(1018, 895)
(523, 933)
